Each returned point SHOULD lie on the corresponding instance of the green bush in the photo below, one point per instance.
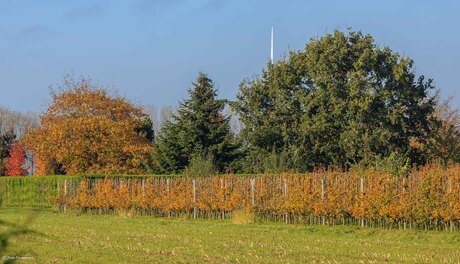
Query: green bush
(200, 166)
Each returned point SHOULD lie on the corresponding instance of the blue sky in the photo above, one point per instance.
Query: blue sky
(151, 50)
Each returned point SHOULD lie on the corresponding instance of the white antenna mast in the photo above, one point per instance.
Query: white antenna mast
(271, 49)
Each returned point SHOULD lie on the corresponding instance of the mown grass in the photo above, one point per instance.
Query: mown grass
(86, 238)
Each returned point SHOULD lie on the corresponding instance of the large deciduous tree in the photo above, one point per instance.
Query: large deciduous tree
(88, 129)
(343, 100)
(198, 128)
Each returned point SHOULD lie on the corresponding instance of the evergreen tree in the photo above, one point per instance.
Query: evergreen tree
(146, 129)
(198, 129)
(6, 143)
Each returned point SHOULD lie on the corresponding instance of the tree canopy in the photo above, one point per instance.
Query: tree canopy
(340, 101)
(87, 129)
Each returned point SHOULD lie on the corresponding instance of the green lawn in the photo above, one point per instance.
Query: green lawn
(72, 238)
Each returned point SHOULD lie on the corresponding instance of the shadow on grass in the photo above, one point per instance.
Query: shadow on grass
(16, 230)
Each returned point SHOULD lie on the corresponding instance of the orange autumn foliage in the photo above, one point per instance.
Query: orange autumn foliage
(428, 196)
(86, 129)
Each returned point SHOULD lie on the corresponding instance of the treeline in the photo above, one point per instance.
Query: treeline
(13, 125)
(343, 101)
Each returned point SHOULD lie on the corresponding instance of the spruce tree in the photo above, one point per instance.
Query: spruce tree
(198, 128)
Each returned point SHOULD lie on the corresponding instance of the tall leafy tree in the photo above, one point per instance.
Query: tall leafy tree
(271, 109)
(342, 100)
(88, 129)
(198, 128)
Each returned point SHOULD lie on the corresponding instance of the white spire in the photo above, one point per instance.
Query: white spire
(271, 49)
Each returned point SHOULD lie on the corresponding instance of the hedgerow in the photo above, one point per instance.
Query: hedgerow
(426, 198)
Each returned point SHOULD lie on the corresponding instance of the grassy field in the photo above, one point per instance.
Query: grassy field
(72, 238)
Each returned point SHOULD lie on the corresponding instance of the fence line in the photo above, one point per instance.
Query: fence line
(428, 198)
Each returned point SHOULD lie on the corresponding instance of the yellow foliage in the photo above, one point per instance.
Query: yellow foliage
(428, 195)
(87, 130)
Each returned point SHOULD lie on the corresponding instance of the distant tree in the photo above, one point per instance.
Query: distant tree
(16, 161)
(88, 129)
(166, 115)
(146, 129)
(235, 123)
(198, 128)
(444, 140)
(13, 125)
(152, 113)
(341, 101)
(6, 143)
(16, 122)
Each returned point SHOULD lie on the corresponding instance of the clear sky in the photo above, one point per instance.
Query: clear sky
(151, 50)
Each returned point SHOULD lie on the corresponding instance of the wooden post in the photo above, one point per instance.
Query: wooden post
(167, 190)
(361, 190)
(65, 187)
(285, 188)
(143, 186)
(253, 183)
(223, 197)
(323, 183)
(194, 197)
(65, 194)
(322, 189)
(402, 185)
